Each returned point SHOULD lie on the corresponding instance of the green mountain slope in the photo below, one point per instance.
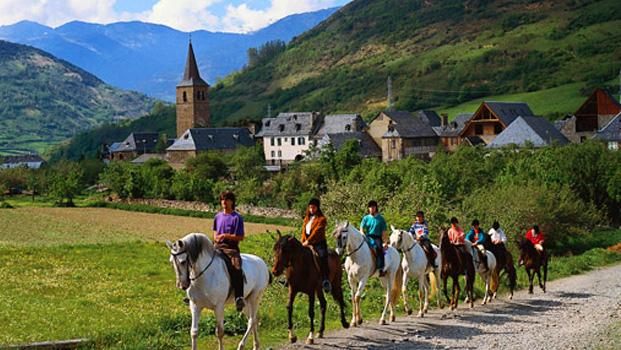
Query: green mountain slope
(439, 53)
(44, 100)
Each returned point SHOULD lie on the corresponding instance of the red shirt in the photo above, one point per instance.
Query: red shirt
(535, 239)
(456, 235)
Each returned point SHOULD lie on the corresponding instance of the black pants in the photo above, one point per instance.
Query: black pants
(322, 250)
(379, 252)
(234, 265)
(428, 249)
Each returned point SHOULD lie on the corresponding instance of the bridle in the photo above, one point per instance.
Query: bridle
(355, 250)
(189, 265)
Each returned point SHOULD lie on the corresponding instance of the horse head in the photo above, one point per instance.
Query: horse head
(341, 234)
(399, 239)
(284, 249)
(184, 254)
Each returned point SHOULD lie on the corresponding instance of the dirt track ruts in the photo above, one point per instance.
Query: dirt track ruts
(571, 315)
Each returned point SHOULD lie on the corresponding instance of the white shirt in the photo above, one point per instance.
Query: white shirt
(308, 226)
(498, 236)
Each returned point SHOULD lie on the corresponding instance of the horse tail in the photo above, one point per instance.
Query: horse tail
(270, 277)
(494, 281)
(433, 281)
(396, 285)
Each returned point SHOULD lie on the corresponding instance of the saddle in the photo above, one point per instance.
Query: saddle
(229, 264)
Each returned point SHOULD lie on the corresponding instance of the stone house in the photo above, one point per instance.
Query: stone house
(490, 119)
(593, 115)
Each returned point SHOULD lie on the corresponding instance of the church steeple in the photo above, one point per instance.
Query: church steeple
(191, 75)
(192, 97)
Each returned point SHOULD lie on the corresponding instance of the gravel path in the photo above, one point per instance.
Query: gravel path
(571, 315)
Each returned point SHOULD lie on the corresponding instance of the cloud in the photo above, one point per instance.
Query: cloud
(243, 18)
(186, 15)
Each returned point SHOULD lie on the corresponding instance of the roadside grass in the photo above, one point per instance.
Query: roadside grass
(119, 291)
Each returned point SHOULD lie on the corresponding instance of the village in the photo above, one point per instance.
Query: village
(392, 135)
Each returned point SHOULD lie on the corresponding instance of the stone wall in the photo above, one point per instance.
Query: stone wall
(199, 206)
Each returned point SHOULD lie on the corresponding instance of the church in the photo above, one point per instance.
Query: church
(193, 132)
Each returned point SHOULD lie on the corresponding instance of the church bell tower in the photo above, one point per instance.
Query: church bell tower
(192, 97)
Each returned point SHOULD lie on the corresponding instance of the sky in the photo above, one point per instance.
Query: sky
(237, 16)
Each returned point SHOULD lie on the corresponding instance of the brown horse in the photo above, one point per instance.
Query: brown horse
(455, 262)
(533, 261)
(504, 262)
(303, 276)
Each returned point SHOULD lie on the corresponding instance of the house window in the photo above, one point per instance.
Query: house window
(293, 141)
(497, 129)
(286, 139)
(393, 144)
(279, 154)
(613, 145)
(272, 142)
(281, 127)
(301, 141)
(478, 129)
(185, 97)
(273, 154)
(279, 141)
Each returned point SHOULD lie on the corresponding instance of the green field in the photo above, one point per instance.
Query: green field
(108, 279)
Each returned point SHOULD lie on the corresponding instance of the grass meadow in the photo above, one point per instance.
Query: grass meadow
(103, 274)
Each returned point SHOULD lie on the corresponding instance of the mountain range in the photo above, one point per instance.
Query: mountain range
(149, 58)
(439, 53)
(45, 100)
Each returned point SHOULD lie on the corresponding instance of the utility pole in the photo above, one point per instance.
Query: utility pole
(269, 110)
(390, 102)
(619, 85)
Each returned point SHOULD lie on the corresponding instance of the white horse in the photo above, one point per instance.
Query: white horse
(489, 275)
(360, 266)
(415, 265)
(203, 275)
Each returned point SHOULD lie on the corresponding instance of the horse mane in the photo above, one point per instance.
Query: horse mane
(195, 244)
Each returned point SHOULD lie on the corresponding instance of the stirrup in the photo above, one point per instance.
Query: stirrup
(239, 304)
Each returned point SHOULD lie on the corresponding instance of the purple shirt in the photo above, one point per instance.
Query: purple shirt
(229, 223)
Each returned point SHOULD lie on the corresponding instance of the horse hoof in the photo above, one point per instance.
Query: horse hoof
(511, 297)
(309, 341)
(320, 335)
(409, 311)
(383, 322)
(393, 319)
(345, 324)
(359, 321)
(293, 339)
(472, 305)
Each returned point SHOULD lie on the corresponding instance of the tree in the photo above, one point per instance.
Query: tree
(65, 183)
(208, 165)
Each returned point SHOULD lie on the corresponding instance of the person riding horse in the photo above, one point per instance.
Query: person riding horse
(314, 234)
(497, 243)
(420, 230)
(374, 227)
(477, 237)
(536, 237)
(228, 227)
(457, 236)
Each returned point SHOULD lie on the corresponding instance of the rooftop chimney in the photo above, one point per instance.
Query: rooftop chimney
(444, 120)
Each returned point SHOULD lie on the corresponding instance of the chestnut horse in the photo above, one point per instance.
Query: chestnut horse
(533, 261)
(455, 262)
(303, 276)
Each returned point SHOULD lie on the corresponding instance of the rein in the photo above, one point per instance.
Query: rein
(357, 249)
(213, 257)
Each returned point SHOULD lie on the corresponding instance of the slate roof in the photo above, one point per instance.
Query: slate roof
(536, 130)
(134, 143)
(454, 127)
(612, 130)
(368, 147)
(205, 139)
(114, 146)
(26, 158)
(290, 124)
(405, 125)
(509, 111)
(474, 140)
(191, 75)
(430, 118)
(341, 123)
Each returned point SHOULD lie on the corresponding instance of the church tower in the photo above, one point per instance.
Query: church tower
(192, 98)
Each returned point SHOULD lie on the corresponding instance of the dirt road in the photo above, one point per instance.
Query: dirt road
(574, 314)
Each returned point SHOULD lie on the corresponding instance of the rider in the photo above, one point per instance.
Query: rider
(228, 227)
(373, 226)
(420, 230)
(535, 236)
(314, 234)
(456, 235)
(477, 236)
(497, 234)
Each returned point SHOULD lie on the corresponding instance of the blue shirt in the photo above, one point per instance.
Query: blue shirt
(373, 225)
(420, 230)
(472, 236)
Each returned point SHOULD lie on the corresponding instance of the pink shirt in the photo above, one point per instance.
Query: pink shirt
(457, 235)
